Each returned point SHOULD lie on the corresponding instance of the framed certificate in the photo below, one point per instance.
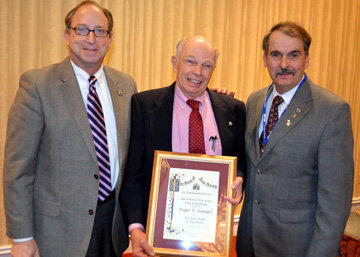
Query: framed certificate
(188, 214)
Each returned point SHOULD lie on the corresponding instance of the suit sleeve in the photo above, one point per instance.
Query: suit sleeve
(24, 132)
(335, 184)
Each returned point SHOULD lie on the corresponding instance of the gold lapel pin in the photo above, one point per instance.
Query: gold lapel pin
(119, 92)
(288, 123)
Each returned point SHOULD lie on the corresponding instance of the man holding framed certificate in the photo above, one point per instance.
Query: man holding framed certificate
(160, 120)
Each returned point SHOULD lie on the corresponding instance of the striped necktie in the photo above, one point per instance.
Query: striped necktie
(98, 129)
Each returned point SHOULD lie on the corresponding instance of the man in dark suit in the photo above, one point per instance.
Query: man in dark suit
(160, 121)
(53, 203)
(299, 182)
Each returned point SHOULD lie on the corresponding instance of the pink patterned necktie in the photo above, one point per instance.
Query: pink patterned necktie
(196, 129)
(98, 129)
(272, 119)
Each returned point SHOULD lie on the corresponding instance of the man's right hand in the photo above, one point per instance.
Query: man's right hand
(25, 249)
(140, 245)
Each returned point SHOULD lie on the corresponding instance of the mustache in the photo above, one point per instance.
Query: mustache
(285, 71)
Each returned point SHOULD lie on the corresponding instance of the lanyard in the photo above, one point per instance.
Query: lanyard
(265, 139)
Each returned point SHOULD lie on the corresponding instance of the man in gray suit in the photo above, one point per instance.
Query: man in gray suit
(299, 182)
(53, 203)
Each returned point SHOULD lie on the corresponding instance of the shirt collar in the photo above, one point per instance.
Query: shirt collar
(288, 95)
(83, 76)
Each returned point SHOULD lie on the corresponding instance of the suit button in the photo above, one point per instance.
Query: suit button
(259, 172)
(96, 176)
(257, 202)
(91, 212)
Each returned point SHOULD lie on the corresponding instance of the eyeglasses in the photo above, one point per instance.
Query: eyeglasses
(98, 32)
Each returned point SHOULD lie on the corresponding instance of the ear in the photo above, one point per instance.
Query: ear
(111, 37)
(265, 60)
(66, 36)
(174, 63)
(307, 60)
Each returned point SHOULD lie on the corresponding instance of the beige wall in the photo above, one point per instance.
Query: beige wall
(146, 32)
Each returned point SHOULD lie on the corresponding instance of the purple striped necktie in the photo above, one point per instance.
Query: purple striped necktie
(98, 129)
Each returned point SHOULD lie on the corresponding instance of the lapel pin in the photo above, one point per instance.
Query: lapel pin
(230, 123)
(288, 123)
(119, 92)
(294, 116)
(298, 110)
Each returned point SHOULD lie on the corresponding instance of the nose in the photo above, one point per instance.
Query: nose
(197, 69)
(284, 62)
(91, 37)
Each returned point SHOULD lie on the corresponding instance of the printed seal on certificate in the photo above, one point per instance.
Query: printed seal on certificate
(188, 214)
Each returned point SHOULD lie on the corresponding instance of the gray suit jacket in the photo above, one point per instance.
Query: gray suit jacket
(298, 193)
(50, 161)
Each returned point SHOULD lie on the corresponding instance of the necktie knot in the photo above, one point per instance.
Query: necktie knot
(92, 80)
(277, 101)
(193, 104)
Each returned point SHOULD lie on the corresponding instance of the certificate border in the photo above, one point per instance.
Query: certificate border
(162, 162)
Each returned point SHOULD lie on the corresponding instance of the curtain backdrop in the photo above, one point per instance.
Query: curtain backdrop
(146, 32)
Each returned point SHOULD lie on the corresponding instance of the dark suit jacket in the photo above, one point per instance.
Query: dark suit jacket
(50, 190)
(151, 129)
(298, 193)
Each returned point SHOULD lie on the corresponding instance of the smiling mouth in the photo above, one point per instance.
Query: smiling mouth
(91, 50)
(194, 81)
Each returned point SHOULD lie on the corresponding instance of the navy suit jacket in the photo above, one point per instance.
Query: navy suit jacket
(151, 129)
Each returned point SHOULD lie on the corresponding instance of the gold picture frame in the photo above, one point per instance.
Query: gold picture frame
(188, 214)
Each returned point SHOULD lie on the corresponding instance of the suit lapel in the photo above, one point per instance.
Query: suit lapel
(74, 101)
(161, 119)
(299, 106)
(120, 112)
(256, 120)
(118, 105)
(224, 122)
